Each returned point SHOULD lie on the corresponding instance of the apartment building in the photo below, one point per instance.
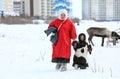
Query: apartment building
(116, 9)
(17, 7)
(22, 7)
(41, 8)
(6, 6)
(101, 9)
(86, 9)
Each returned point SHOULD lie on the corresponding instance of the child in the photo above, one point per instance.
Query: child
(81, 48)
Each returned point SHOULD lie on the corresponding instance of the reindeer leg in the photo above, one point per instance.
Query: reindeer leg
(108, 41)
(114, 41)
(102, 41)
(90, 40)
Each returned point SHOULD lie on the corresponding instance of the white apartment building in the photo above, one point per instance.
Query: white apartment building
(101, 9)
(86, 9)
(17, 7)
(22, 7)
(6, 6)
(41, 8)
(116, 9)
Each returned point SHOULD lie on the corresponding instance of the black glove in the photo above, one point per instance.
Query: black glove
(89, 49)
(74, 43)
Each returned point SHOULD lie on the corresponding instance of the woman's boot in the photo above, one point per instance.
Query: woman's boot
(58, 65)
(64, 67)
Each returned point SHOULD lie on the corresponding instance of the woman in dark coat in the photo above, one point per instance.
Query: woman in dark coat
(62, 48)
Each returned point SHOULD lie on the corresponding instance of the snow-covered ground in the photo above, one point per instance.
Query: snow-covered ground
(25, 53)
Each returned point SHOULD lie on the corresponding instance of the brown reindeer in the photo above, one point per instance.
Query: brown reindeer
(101, 32)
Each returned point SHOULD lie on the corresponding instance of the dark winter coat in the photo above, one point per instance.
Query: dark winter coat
(81, 50)
(62, 48)
(53, 37)
(81, 44)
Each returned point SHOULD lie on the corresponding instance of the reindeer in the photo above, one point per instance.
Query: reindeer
(101, 32)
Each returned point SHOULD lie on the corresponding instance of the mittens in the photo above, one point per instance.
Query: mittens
(74, 43)
(89, 49)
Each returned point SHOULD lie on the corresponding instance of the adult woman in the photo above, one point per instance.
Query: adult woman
(62, 48)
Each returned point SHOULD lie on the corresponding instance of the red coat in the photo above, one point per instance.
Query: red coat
(62, 49)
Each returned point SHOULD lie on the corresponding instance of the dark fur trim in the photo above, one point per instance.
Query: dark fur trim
(80, 61)
(79, 37)
(60, 60)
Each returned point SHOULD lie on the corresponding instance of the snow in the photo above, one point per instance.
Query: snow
(25, 53)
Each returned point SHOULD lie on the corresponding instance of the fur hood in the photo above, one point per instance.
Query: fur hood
(61, 12)
(80, 37)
